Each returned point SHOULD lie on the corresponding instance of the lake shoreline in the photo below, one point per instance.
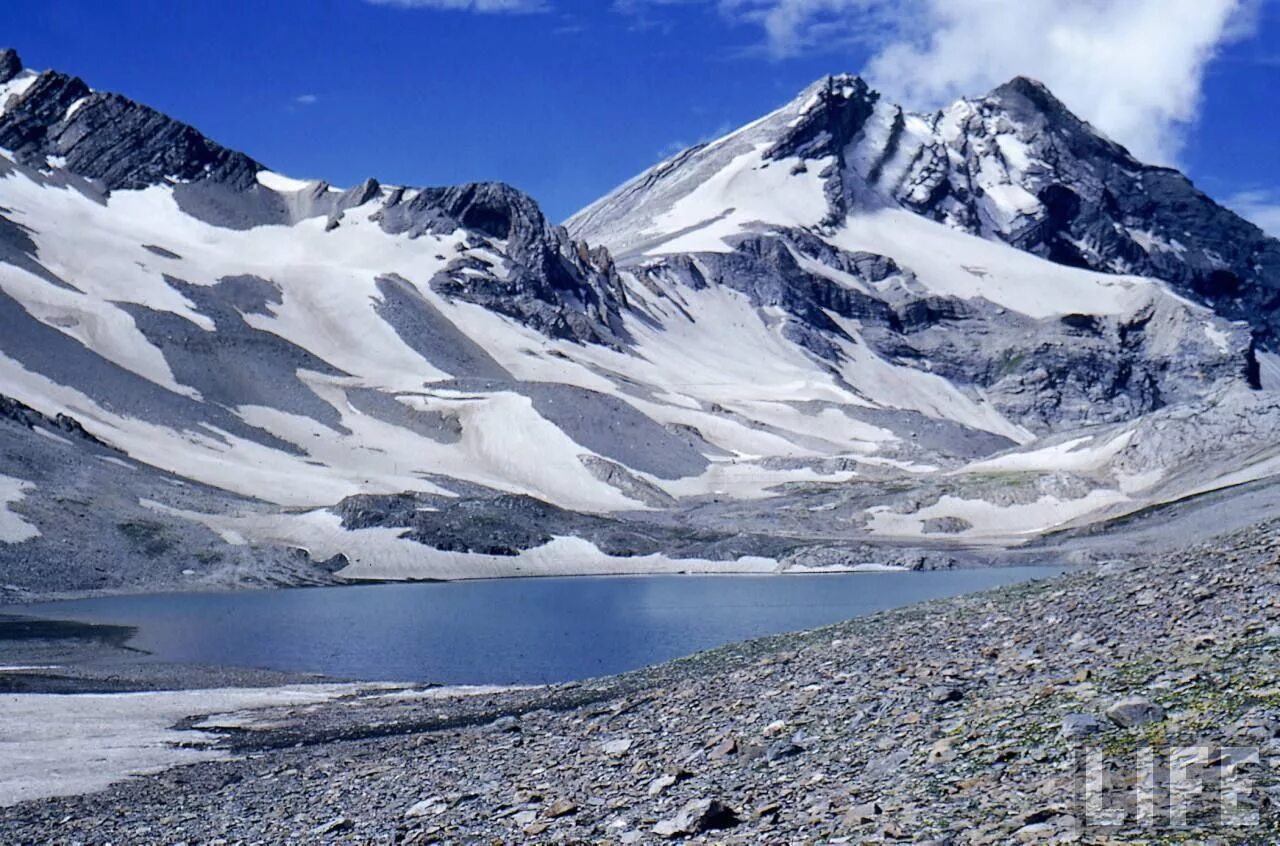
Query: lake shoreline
(73, 657)
(12, 599)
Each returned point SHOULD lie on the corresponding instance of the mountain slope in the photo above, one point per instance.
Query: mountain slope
(217, 374)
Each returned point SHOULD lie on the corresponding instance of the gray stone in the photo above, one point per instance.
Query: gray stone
(862, 814)
(888, 763)
(696, 817)
(333, 825)
(780, 749)
(505, 724)
(617, 748)
(561, 808)
(1077, 726)
(946, 694)
(1134, 711)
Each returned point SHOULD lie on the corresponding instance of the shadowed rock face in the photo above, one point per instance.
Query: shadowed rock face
(558, 286)
(839, 108)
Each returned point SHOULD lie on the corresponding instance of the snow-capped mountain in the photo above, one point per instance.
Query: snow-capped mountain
(840, 325)
(1014, 166)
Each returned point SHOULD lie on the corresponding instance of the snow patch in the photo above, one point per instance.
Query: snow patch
(1219, 338)
(75, 107)
(992, 522)
(993, 271)
(16, 87)
(281, 183)
(14, 529)
(749, 190)
(57, 745)
(1076, 455)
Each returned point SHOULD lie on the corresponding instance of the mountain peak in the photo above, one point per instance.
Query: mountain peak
(1030, 101)
(844, 85)
(1027, 87)
(1023, 95)
(1023, 91)
(831, 112)
(834, 90)
(10, 64)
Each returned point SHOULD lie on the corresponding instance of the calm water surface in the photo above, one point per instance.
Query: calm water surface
(505, 631)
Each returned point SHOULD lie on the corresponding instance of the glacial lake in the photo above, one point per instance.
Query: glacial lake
(504, 631)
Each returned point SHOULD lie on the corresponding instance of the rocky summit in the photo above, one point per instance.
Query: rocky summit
(845, 334)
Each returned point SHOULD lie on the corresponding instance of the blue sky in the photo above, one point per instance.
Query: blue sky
(567, 98)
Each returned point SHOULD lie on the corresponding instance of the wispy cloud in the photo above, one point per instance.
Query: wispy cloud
(306, 100)
(481, 6)
(1260, 205)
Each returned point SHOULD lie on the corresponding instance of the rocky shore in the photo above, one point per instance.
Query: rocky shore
(1135, 702)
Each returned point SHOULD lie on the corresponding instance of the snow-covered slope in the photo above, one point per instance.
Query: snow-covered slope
(211, 372)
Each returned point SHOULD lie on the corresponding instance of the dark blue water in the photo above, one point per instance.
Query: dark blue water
(506, 631)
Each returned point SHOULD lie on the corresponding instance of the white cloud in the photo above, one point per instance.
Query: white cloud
(306, 99)
(1260, 205)
(482, 6)
(1133, 68)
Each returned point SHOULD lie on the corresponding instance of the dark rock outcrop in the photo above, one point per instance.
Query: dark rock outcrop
(550, 282)
(27, 417)
(492, 523)
(112, 139)
(10, 64)
(1041, 373)
(837, 111)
